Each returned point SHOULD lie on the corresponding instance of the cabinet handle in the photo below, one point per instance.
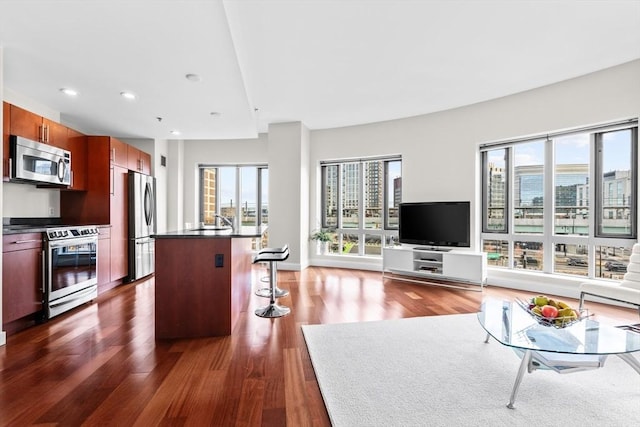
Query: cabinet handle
(41, 133)
(46, 133)
(19, 242)
(112, 190)
(113, 154)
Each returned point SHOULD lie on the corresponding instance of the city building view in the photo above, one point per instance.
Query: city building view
(516, 206)
(360, 205)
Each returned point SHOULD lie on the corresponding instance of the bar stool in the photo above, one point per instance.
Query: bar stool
(266, 292)
(273, 309)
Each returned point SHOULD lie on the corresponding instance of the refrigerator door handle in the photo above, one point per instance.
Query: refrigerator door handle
(148, 205)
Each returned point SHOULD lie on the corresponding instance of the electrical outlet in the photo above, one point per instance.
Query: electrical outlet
(51, 211)
(219, 260)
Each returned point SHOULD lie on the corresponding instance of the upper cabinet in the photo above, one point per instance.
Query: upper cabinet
(138, 160)
(37, 128)
(118, 152)
(77, 144)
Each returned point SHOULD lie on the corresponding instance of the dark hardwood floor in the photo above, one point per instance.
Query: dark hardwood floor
(101, 365)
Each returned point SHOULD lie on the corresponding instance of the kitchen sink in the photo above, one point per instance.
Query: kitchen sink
(213, 228)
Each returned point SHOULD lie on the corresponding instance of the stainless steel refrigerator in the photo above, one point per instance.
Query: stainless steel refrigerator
(142, 225)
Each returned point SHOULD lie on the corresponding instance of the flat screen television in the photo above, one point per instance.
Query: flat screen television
(437, 224)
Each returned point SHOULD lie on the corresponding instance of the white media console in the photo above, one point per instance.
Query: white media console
(420, 264)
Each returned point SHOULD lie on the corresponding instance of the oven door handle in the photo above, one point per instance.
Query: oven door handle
(70, 242)
(77, 295)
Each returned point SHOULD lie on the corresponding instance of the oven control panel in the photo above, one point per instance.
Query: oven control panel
(71, 232)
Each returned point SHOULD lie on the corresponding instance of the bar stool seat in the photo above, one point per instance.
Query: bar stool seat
(273, 309)
(266, 292)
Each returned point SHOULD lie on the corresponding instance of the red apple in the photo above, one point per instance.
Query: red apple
(549, 311)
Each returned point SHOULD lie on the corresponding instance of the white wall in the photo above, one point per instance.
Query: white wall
(28, 201)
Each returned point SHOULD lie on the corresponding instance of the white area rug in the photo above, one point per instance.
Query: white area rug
(437, 371)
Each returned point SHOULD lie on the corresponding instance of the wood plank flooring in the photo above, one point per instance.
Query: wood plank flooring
(101, 365)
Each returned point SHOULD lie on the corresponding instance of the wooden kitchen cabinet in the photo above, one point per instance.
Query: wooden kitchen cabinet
(26, 124)
(22, 279)
(36, 128)
(138, 160)
(56, 134)
(119, 152)
(104, 202)
(104, 259)
(119, 223)
(6, 122)
(77, 144)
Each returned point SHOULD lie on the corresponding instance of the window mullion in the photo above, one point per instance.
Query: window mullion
(548, 207)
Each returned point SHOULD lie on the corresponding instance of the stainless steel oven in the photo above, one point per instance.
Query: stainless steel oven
(71, 268)
(33, 161)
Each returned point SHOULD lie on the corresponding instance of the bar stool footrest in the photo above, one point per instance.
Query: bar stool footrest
(266, 293)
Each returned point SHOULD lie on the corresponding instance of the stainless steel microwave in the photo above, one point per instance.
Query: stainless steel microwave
(33, 161)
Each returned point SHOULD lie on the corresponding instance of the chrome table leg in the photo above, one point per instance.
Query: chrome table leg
(524, 366)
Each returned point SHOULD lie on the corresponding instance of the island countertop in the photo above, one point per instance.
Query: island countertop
(201, 233)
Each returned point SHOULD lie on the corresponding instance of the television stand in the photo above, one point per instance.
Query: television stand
(423, 265)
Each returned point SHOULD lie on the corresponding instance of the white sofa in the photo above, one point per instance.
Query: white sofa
(626, 291)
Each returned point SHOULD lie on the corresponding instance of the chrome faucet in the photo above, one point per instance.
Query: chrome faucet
(224, 219)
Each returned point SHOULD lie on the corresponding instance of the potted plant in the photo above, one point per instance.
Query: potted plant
(323, 236)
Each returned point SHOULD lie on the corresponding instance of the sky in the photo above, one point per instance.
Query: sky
(574, 149)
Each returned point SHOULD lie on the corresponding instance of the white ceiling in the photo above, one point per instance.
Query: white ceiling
(327, 63)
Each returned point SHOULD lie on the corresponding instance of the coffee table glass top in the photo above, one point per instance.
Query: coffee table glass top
(513, 326)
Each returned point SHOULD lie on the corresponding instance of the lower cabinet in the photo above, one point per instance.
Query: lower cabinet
(104, 259)
(22, 281)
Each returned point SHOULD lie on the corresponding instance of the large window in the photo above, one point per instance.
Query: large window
(360, 201)
(234, 191)
(562, 203)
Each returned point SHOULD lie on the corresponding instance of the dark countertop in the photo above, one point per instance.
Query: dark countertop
(213, 234)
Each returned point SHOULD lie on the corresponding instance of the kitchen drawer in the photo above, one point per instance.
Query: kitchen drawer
(21, 241)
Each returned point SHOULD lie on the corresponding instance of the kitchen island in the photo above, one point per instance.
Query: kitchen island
(202, 280)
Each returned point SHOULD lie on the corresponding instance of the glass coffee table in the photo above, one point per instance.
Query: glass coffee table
(580, 346)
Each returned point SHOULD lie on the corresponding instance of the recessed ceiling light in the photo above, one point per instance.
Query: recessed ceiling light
(128, 95)
(175, 132)
(193, 78)
(68, 91)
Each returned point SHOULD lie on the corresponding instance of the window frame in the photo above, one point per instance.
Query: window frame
(549, 237)
(238, 187)
(387, 232)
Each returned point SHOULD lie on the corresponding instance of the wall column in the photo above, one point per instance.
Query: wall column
(288, 153)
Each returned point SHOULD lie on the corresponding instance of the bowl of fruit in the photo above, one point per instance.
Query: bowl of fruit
(549, 312)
